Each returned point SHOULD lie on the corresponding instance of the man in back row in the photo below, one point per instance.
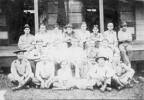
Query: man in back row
(125, 40)
(26, 40)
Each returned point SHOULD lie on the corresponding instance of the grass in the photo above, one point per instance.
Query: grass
(137, 92)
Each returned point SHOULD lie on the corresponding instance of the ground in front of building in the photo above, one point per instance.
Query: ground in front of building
(137, 92)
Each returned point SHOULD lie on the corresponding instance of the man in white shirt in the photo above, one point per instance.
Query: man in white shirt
(42, 38)
(105, 50)
(111, 36)
(125, 39)
(83, 34)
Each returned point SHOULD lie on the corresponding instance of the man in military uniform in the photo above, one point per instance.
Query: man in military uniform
(21, 72)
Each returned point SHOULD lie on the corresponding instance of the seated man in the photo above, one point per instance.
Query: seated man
(101, 73)
(125, 39)
(70, 36)
(44, 72)
(57, 34)
(83, 34)
(42, 38)
(21, 71)
(26, 40)
(95, 36)
(123, 75)
(105, 50)
(64, 78)
(93, 43)
(111, 36)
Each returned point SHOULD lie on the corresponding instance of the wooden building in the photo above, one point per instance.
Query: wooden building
(13, 15)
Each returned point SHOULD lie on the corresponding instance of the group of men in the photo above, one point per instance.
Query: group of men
(68, 59)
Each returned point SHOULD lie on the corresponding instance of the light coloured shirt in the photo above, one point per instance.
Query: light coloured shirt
(124, 36)
(105, 52)
(111, 37)
(82, 35)
(44, 69)
(57, 35)
(122, 68)
(22, 68)
(94, 40)
(101, 73)
(25, 42)
(98, 37)
(41, 38)
(65, 74)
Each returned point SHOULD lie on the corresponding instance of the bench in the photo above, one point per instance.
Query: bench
(136, 53)
(7, 55)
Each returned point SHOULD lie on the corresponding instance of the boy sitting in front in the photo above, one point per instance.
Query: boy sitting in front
(123, 75)
(101, 73)
(21, 72)
(44, 72)
(64, 78)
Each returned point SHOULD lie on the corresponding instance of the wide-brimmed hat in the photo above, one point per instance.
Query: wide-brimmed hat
(105, 58)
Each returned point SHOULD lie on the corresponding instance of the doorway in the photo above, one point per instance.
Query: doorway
(91, 13)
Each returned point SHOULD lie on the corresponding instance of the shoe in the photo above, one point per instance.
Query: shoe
(141, 79)
(102, 89)
(109, 89)
(120, 88)
(130, 85)
(16, 88)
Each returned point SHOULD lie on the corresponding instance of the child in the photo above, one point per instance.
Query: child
(21, 71)
(45, 72)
